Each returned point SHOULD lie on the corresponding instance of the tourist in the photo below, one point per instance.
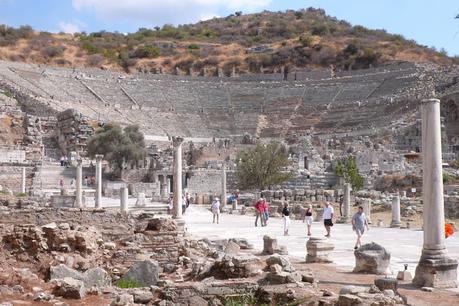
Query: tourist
(183, 204)
(61, 183)
(215, 208)
(328, 217)
(187, 199)
(266, 210)
(359, 222)
(66, 161)
(62, 160)
(86, 181)
(260, 212)
(308, 218)
(232, 199)
(286, 217)
(170, 207)
(72, 183)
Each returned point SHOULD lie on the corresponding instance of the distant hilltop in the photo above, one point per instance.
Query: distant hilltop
(265, 42)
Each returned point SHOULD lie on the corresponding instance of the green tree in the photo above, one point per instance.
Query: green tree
(347, 169)
(119, 147)
(262, 166)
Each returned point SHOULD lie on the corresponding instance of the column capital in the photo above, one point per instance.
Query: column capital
(177, 141)
(99, 157)
(430, 100)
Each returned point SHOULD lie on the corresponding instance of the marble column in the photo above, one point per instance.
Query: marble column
(177, 179)
(79, 183)
(346, 218)
(124, 195)
(23, 185)
(367, 209)
(435, 267)
(168, 185)
(395, 212)
(223, 196)
(98, 194)
(163, 187)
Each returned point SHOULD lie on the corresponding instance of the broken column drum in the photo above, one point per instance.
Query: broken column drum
(367, 209)
(124, 194)
(395, 212)
(98, 195)
(435, 267)
(177, 144)
(79, 183)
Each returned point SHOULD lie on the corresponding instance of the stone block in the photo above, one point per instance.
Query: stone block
(319, 250)
(386, 284)
(372, 258)
(144, 272)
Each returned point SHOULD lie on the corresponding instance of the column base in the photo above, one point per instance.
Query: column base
(395, 224)
(437, 272)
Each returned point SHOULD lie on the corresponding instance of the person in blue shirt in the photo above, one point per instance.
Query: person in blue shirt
(359, 222)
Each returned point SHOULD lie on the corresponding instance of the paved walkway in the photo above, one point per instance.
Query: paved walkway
(404, 245)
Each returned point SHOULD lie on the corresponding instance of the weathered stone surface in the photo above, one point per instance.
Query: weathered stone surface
(146, 273)
(372, 258)
(70, 288)
(243, 243)
(97, 277)
(142, 296)
(123, 300)
(280, 260)
(232, 248)
(386, 284)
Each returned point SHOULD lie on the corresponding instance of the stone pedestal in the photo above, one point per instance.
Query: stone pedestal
(435, 268)
(319, 250)
(98, 194)
(124, 194)
(79, 184)
(234, 204)
(367, 209)
(23, 183)
(404, 276)
(177, 144)
(395, 212)
(270, 246)
(140, 200)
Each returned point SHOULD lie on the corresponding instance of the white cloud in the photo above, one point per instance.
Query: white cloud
(68, 27)
(158, 12)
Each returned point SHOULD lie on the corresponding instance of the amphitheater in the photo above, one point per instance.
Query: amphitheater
(202, 108)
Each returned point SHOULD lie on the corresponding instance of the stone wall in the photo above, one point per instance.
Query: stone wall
(452, 207)
(12, 155)
(11, 177)
(205, 181)
(74, 129)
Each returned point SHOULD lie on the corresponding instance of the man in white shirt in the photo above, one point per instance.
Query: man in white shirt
(328, 217)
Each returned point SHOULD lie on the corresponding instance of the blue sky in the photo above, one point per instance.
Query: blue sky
(429, 22)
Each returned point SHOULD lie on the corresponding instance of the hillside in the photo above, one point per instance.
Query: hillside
(249, 43)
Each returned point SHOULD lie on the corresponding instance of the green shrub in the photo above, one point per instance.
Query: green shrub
(52, 51)
(146, 51)
(193, 47)
(128, 283)
(306, 40)
(21, 194)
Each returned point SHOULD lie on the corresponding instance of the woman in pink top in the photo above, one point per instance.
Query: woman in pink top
(260, 210)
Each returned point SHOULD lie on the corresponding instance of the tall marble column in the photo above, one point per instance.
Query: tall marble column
(124, 196)
(435, 267)
(98, 195)
(395, 212)
(23, 184)
(163, 186)
(79, 183)
(223, 196)
(367, 209)
(177, 144)
(168, 185)
(346, 218)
